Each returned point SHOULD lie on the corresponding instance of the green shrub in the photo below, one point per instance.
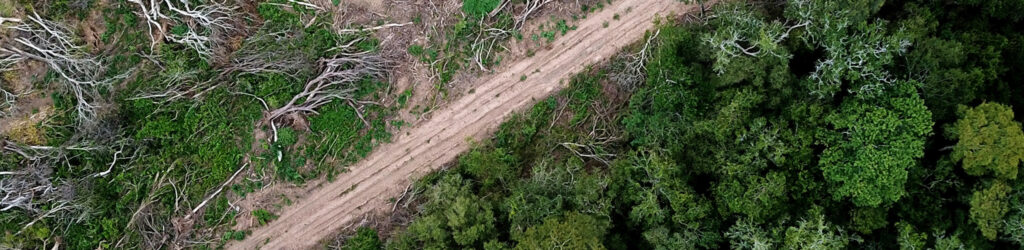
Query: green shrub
(479, 8)
(365, 239)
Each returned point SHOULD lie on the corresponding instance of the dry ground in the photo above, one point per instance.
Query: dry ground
(371, 183)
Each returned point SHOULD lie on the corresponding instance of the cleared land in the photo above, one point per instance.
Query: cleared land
(385, 173)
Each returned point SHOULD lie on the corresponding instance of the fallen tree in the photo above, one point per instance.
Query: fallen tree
(52, 43)
(205, 24)
(31, 188)
(336, 81)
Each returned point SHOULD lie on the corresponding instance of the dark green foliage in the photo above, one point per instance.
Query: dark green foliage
(479, 8)
(494, 168)
(873, 145)
(263, 216)
(454, 217)
(813, 232)
(1013, 227)
(799, 146)
(868, 219)
(990, 141)
(575, 231)
(365, 239)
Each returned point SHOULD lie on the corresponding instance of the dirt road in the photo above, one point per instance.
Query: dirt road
(385, 173)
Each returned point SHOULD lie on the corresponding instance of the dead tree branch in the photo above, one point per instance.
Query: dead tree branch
(385, 26)
(261, 54)
(31, 187)
(53, 44)
(484, 44)
(7, 102)
(531, 7)
(142, 221)
(336, 80)
(306, 4)
(203, 22)
(215, 193)
(178, 83)
(587, 151)
(636, 66)
(9, 60)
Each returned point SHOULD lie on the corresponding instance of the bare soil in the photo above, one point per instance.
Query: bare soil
(371, 183)
(31, 107)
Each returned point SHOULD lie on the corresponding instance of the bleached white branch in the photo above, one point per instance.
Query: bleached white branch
(385, 26)
(55, 45)
(200, 22)
(336, 81)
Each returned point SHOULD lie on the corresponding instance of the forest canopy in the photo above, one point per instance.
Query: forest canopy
(798, 125)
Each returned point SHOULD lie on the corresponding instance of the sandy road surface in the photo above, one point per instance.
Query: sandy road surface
(370, 183)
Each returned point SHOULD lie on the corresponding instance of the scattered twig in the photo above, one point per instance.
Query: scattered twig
(385, 26)
(215, 193)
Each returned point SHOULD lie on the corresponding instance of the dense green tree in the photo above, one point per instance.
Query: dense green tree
(427, 232)
(909, 238)
(574, 231)
(948, 243)
(471, 221)
(656, 198)
(757, 197)
(989, 141)
(455, 217)
(747, 235)
(947, 79)
(490, 167)
(1013, 224)
(873, 144)
(552, 189)
(814, 232)
(365, 239)
(988, 206)
(868, 219)
(827, 105)
(1000, 9)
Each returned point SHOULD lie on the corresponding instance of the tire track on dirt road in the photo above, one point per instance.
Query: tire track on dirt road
(385, 173)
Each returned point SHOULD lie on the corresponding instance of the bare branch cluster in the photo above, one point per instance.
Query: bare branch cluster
(636, 66)
(336, 80)
(24, 189)
(601, 134)
(7, 102)
(306, 4)
(54, 45)
(154, 231)
(256, 56)
(743, 33)
(177, 83)
(855, 51)
(489, 37)
(202, 22)
(532, 6)
(485, 42)
(9, 60)
(31, 188)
